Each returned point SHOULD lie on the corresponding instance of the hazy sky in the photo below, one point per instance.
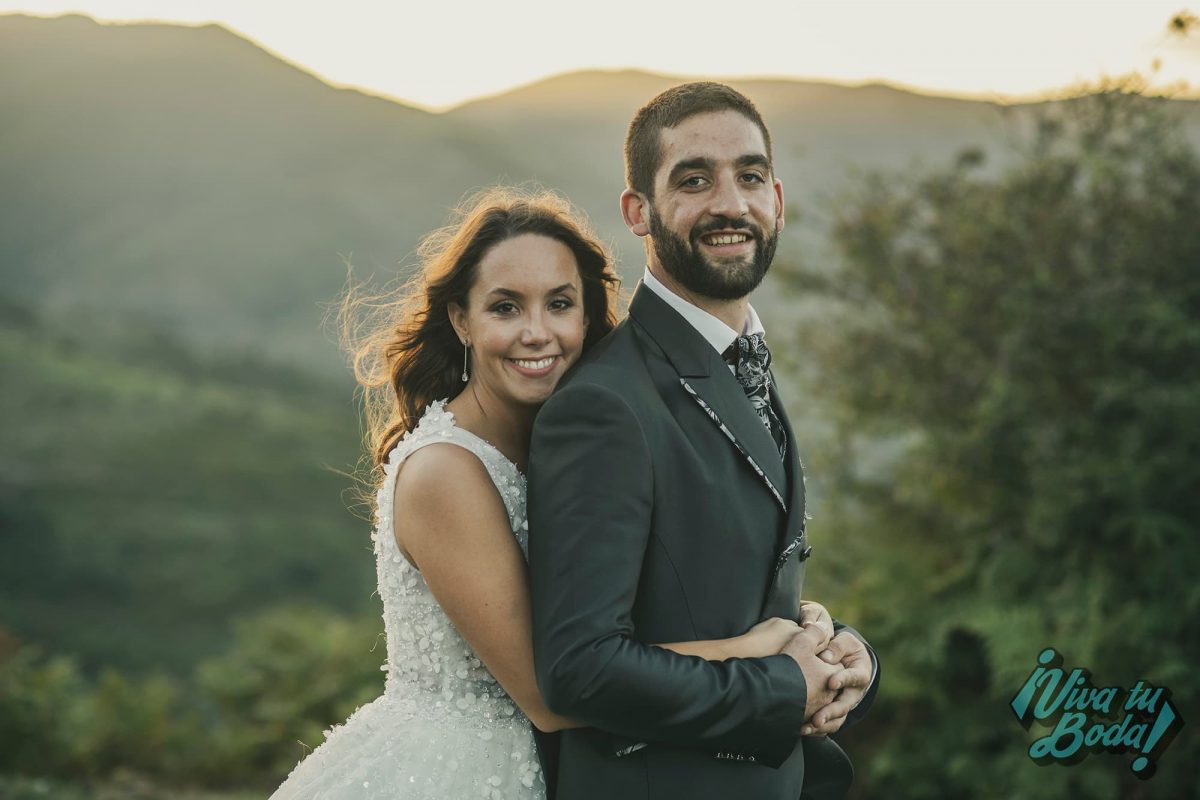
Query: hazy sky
(437, 53)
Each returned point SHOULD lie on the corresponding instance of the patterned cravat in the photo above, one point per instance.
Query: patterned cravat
(751, 360)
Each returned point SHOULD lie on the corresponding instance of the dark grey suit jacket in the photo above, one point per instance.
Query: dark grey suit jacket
(660, 511)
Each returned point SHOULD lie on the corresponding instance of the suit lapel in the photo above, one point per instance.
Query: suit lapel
(705, 376)
(795, 497)
(783, 593)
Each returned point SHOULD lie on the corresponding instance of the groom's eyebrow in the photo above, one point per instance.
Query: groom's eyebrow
(753, 160)
(701, 162)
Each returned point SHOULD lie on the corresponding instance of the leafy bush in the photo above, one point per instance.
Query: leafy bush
(291, 674)
(244, 720)
(44, 714)
(1014, 365)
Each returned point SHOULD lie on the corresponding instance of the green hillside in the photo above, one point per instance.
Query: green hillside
(148, 501)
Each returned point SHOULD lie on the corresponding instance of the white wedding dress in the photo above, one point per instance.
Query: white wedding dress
(443, 729)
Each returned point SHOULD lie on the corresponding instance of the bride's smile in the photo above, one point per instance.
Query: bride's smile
(535, 367)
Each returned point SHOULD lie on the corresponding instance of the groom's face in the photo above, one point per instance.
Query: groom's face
(717, 208)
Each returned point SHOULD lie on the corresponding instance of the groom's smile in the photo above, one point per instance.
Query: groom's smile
(731, 240)
(725, 241)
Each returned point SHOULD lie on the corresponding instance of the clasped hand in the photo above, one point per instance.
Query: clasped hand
(837, 669)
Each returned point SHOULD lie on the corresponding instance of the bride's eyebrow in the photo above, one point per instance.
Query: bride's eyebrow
(514, 294)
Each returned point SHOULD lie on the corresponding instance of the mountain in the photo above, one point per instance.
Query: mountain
(185, 177)
(579, 121)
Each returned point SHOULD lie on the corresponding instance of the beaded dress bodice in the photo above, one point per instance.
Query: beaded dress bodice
(426, 655)
(443, 729)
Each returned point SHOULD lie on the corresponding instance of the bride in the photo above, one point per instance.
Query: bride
(507, 299)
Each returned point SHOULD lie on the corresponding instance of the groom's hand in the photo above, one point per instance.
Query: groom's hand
(819, 675)
(812, 613)
(850, 683)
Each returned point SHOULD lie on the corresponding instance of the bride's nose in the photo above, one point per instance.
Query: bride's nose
(536, 332)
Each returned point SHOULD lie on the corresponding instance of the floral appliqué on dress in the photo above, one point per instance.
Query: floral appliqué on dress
(443, 728)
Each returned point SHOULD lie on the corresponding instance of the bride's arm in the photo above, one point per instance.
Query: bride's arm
(766, 638)
(453, 526)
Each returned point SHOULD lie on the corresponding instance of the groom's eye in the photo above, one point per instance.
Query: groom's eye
(693, 182)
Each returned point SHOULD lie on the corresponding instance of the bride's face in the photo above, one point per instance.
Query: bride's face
(524, 319)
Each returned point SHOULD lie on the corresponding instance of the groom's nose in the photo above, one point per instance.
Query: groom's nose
(726, 199)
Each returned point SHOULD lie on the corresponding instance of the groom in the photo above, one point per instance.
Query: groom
(667, 501)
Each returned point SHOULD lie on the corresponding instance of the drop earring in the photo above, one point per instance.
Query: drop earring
(466, 352)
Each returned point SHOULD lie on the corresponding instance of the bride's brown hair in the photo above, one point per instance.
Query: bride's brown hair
(403, 348)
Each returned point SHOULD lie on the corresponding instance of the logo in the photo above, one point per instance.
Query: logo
(1087, 719)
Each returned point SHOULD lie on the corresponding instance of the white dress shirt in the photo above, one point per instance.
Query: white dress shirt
(715, 332)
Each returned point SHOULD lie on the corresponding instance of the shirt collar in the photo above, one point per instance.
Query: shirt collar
(714, 331)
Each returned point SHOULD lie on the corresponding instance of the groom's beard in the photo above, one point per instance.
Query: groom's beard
(687, 264)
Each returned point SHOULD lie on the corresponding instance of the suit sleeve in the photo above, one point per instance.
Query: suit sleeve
(591, 488)
(864, 705)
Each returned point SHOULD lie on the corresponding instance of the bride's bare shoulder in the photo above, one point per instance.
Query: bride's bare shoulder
(441, 470)
(444, 494)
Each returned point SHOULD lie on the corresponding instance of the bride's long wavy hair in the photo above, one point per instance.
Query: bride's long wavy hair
(403, 348)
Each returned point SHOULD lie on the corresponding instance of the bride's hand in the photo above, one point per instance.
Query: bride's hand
(767, 638)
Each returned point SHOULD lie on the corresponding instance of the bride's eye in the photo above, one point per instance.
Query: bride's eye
(504, 308)
(561, 304)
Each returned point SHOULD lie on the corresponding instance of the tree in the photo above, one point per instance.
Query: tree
(1012, 358)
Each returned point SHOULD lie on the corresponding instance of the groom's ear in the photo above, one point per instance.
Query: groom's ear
(635, 210)
(779, 218)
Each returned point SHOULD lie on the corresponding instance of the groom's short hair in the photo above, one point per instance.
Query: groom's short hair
(642, 142)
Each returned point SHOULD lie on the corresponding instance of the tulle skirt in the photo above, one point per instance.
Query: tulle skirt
(391, 748)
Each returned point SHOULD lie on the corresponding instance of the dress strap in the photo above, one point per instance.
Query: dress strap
(436, 426)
